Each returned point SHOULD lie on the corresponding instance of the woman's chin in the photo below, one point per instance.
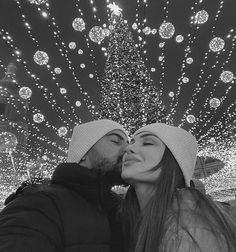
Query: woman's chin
(126, 175)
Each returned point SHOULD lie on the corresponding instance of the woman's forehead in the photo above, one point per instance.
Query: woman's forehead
(144, 134)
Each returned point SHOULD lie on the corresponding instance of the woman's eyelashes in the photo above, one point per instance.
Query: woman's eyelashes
(145, 143)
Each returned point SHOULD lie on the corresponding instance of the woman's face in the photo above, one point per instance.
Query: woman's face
(144, 152)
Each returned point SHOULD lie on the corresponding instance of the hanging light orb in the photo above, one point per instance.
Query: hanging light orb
(171, 94)
(57, 70)
(201, 17)
(179, 38)
(72, 45)
(63, 91)
(214, 103)
(191, 119)
(107, 32)
(41, 58)
(217, 44)
(147, 30)
(38, 118)
(166, 30)
(38, 2)
(25, 93)
(78, 24)
(97, 34)
(62, 131)
(185, 80)
(227, 76)
(135, 26)
(78, 103)
(189, 60)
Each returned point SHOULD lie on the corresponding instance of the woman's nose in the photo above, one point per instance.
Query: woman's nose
(130, 148)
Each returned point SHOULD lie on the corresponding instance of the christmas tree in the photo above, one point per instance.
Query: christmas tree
(128, 95)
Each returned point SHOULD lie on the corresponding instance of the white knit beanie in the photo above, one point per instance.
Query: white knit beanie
(182, 144)
(86, 135)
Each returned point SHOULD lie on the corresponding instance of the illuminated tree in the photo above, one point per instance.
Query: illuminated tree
(128, 95)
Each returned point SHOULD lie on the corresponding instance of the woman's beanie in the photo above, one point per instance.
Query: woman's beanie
(86, 135)
(182, 144)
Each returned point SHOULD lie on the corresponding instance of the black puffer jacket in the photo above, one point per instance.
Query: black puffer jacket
(76, 213)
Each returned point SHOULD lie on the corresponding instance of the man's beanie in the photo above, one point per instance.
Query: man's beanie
(86, 135)
(181, 143)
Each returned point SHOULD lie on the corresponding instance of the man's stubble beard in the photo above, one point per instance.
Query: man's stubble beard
(105, 165)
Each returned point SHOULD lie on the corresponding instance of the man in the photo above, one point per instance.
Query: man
(76, 212)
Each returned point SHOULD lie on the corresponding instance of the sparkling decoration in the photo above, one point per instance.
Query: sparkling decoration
(97, 34)
(38, 2)
(160, 58)
(62, 131)
(78, 24)
(185, 80)
(189, 60)
(72, 45)
(214, 103)
(44, 157)
(107, 32)
(201, 17)
(179, 38)
(41, 58)
(91, 76)
(212, 140)
(161, 44)
(57, 70)
(82, 65)
(38, 118)
(8, 141)
(25, 92)
(171, 94)
(111, 27)
(153, 69)
(147, 30)
(166, 30)
(80, 51)
(78, 103)
(63, 91)
(217, 44)
(227, 76)
(115, 9)
(135, 26)
(191, 119)
(154, 31)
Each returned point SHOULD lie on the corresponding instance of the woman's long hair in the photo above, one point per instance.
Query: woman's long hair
(144, 232)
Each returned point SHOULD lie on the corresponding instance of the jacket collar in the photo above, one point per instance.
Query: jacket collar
(89, 183)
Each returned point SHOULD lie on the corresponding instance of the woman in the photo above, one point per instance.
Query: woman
(161, 211)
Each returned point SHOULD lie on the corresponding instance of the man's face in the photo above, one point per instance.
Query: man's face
(107, 153)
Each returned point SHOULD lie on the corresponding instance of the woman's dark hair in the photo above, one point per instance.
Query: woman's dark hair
(143, 232)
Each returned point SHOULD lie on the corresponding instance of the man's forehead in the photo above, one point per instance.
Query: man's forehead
(117, 132)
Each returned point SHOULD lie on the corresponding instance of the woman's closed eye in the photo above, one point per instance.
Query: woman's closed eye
(147, 143)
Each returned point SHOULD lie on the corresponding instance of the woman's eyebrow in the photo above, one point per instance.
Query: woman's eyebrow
(148, 134)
